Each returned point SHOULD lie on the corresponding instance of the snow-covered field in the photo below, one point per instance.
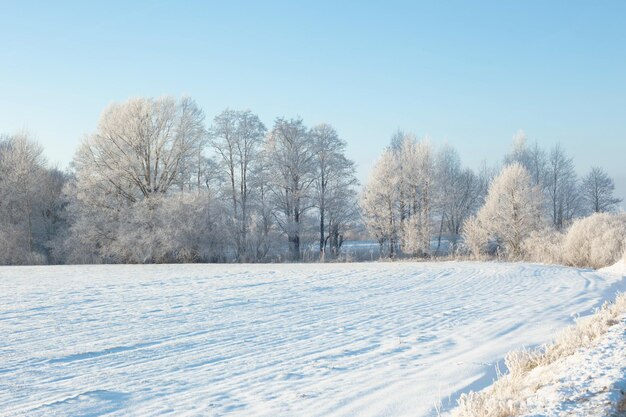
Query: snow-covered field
(376, 339)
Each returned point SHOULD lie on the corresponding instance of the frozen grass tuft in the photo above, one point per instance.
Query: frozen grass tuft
(507, 396)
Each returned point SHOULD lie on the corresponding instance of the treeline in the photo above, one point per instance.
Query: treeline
(532, 206)
(156, 182)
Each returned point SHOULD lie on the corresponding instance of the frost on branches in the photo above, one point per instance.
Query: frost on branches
(152, 184)
(512, 211)
(30, 202)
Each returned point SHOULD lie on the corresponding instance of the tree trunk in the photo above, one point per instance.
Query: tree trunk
(322, 234)
(439, 236)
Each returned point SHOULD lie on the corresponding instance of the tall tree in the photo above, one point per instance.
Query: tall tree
(597, 192)
(457, 193)
(561, 188)
(532, 157)
(30, 201)
(237, 137)
(447, 172)
(417, 178)
(379, 203)
(334, 184)
(262, 224)
(140, 146)
(139, 152)
(290, 156)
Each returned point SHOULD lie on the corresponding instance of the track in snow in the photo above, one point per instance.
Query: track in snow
(378, 339)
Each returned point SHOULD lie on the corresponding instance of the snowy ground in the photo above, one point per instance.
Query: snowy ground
(588, 383)
(375, 339)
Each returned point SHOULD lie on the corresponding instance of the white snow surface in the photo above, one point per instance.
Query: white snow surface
(374, 339)
(619, 268)
(588, 383)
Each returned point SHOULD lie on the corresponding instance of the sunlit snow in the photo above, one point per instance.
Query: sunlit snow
(376, 339)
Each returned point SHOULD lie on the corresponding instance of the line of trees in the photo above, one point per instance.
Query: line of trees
(154, 183)
(416, 195)
(30, 202)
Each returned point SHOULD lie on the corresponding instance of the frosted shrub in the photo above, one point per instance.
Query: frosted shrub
(595, 241)
(475, 237)
(413, 240)
(544, 246)
(14, 243)
(176, 228)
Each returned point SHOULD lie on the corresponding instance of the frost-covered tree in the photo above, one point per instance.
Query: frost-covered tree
(21, 167)
(447, 171)
(30, 201)
(531, 157)
(290, 157)
(262, 231)
(237, 137)
(334, 184)
(597, 190)
(513, 209)
(396, 145)
(379, 203)
(554, 174)
(486, 173)
(50, 208)
(457, 193)
(561, 188)
(398, 199)
(121, 199)
(416, 182)
(140, 146)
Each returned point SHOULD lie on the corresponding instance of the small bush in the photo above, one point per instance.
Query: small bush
(475, 238)
(544, 246)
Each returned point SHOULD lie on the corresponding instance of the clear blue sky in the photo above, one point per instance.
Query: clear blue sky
(469, 73)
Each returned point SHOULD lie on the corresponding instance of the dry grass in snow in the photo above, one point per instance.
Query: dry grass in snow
(508, 395)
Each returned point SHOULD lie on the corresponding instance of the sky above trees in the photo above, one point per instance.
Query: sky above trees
(467, 75)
